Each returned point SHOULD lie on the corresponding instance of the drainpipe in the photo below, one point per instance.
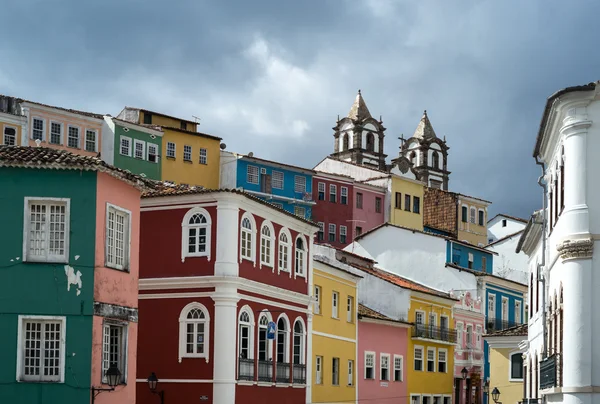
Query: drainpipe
(542, 183)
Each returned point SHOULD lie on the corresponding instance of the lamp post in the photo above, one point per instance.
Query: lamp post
(464, 373)
(152, 383)
(496, 395)
(113, 377)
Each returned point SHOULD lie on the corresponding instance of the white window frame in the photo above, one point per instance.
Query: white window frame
(417, 396)
(33, 119)
(127, 243)
(250, 324)
(422, 313)
(370, 354)
(174, 150)
(188, 153)
(445, 352)
(277, 182)
(268, 244)
(152, 151)
(21, 348)
(383, 356)
(300, 211)
(60, 134)
(319, 369)
(95, 131)
(4, 135)
(26, 219)
(492, 299)
(137, 142)
(335, 305)
(321, 188)
(299, 184)
(322, 231)
(185, 230)
(331, 231)
(124, 348)
(343, 232)
(510, 356)
(249, 254)
(421, 349)
(129, 146)
(483, 211)
(432, 349)
(302, 345)
(78, 137)
(252, 177)
(517, 312)
(350, 372)
(183, 321)
(203, 156)
(400, 358)
(350, 309)
(284, 249)
(318, 299)
(300, 255)
(332, 192)
(344, 193)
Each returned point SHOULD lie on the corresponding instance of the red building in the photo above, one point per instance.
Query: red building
(216, 267)
(345, 208)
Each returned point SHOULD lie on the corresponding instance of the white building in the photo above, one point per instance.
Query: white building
(504, 233)
(501, 226)
(563, 265)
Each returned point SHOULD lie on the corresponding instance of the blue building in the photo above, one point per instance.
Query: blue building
(466, 255)
(283, 185)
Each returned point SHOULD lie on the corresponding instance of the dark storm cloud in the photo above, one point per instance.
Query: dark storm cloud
(271, 76)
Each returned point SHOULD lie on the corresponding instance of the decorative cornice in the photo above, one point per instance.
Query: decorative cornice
(576, 249)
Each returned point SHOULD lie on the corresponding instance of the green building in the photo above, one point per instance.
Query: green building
(68, 277)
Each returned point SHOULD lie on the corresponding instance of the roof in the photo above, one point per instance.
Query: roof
(403, 228)
(191, 132)
(73, 111)
(549, 103)
(527, 230)
(472, 197)
(505, 238)
(424, 129)
(474, 247)
(335, 264)
(311, 171)
(481, 273)
(351, 163)
(161, 114)
(518, 330)
(365, 312)
(518, 219)
(141, 125)
(47, 158)
(164, 190)
(359, 110)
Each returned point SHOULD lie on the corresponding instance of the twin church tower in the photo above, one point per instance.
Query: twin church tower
(359, 139)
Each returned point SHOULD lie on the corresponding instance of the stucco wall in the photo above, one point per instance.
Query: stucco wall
(496, 231)
(511, 392)
(509, 264)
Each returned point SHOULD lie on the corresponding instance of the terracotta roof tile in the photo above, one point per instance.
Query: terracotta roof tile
(365, 312)
(440, 210)
(73, 111)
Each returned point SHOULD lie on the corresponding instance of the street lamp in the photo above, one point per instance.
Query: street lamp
(495, 394)
(152, 383)
(486, 387)
(113, 377)
(464, 373)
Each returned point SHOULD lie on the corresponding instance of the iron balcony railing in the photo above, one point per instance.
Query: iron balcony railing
(299, 373)
(265, 371)
(497, 324)
(283, 372)
(530, 401)
(435, 333)
(245, 369)
(548, 372)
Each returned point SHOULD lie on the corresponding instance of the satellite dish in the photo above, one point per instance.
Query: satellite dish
(250, 154)
(222, 146)
(38, 142)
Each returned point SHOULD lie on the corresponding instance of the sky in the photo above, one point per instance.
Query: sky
(271, 77)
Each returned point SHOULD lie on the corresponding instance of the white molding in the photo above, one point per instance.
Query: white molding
(279, 197)
(253, 235)
(26, 217)
(127, 258)
(66, 144)
(273, 245)
(44, 130)
(178, 381)
(185, 234)
(273, 303)
(186, 206)
(182, 332)
(143, 143)
(391, 323)
(130, 148)
(96, 139)
(59, 111)
(11, 119)
(323, 334)
(149, 296)
(62, 132)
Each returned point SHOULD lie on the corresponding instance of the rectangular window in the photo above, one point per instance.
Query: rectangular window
(203, 156)
(478, 331)
(343, 234)
(277, 179)
(350, 373)
(171, 150)
(117, 237)
(90, 140)
(369, 365)
(10, 136)
(321, 232)
(504, 309)
(384, 362)
(464, 214)
(299, 211)
(517, 312)
(139, 149)
(419, 317)
(398, 204)
(431, 359)
(73, 137)
(319, 370)
(491, 306)
(147, 118)
(47, 230)
(332, 193)
(418, 358)
(183, 125)
(335, 371)
(407, 202)
(377, 204)
(344, 196)
(335, 302)
(459, 335)
(152, 153)
(471, 259)
(473, 212)
(187, 153)
(358, 231)
(252, 174)
(321, 188)
(442, 360)
(350, 309)
(299, 184)
(469, 336)
(125, 146)
(55, 133)
(42, 344)
(416, 204)
(318, 300)
(359, 200)
(481, 222)
(483, 264)
(37, 129)
(332, 233)
(398, 368)
(114, 349)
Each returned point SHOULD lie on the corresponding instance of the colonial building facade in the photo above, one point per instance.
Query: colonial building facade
(225, 287)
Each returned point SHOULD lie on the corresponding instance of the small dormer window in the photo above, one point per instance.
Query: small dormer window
(183, 125)
(147, 118)
(503, 222)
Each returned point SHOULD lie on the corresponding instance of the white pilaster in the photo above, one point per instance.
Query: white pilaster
(225, 354)
(227, 263)
(309, 320)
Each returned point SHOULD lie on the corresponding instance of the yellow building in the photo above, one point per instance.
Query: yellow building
(189, 157)
(506, 363)
(334, 335)
(431, 348)
(407, 203)
(472, 220)
(11, 123)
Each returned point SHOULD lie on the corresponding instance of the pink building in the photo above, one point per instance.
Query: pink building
(380, 340)
(468, 355)
(369, 207)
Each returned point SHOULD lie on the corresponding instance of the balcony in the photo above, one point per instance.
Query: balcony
(434, 333)
(299, 373)
(530, 401)
(283, 372)
(496, 324)
(549, 372)
(245, 369)
(265, 371)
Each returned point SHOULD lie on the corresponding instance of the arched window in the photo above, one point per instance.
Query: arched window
(370, 142)
(435, 160)
(264, 351)
(266, 244)
(194, 331)
(247, 238)
(411, 157)
(298, 342)
(300, 257)
(284, 251)
(246, 323)
(345, 142)
(283, 350)
(195, 234)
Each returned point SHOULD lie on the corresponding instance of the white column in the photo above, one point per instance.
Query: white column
(225, 327)
(309, 320)
(227, 263)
